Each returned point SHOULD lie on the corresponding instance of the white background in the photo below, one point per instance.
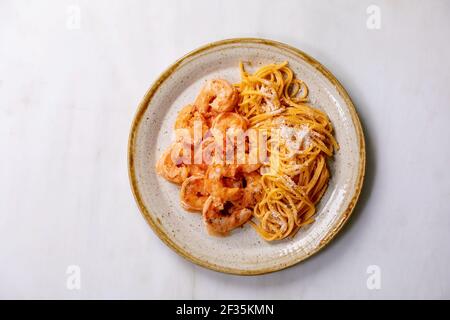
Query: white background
(67, 98)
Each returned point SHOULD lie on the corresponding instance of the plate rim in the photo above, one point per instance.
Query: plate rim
(144, 104)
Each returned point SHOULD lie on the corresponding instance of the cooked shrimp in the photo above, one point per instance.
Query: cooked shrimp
(229, 127)
(249, 167)
(175, 172)
(250, 160)
(229, 120)
(219, 95)
(221, 216)
(187, 117)
(205, 153)
(211, 152)
(192, 194)
(197, 169)
(253, 191)
(184, 117)
(220, 182)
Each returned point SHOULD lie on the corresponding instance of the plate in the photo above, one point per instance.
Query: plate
(243, 252)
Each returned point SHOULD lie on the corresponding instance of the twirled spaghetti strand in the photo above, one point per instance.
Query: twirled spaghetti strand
(272, 99)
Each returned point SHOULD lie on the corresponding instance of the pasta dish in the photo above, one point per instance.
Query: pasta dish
(254, 151)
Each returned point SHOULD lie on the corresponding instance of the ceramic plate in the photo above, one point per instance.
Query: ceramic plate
(243, 252)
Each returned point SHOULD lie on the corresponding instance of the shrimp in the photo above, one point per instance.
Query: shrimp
(228, 129)
(229, 120)
(187, 118)
(250, 161)
(212, 152)
(220, 182)
(197, 169)
(219, 95)
(221, 216)
(253, 191)
(175, 172)
(192, 194)
(205, 153)
(248, 167)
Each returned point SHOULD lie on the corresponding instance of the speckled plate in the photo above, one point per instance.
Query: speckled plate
(243, 252)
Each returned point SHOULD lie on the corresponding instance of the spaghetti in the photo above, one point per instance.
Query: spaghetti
(299, 142)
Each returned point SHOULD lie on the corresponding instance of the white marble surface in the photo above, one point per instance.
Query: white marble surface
(67, 98)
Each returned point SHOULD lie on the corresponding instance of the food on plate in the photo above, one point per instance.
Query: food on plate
(255, 151)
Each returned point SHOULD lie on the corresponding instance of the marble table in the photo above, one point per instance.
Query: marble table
(72, 74)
